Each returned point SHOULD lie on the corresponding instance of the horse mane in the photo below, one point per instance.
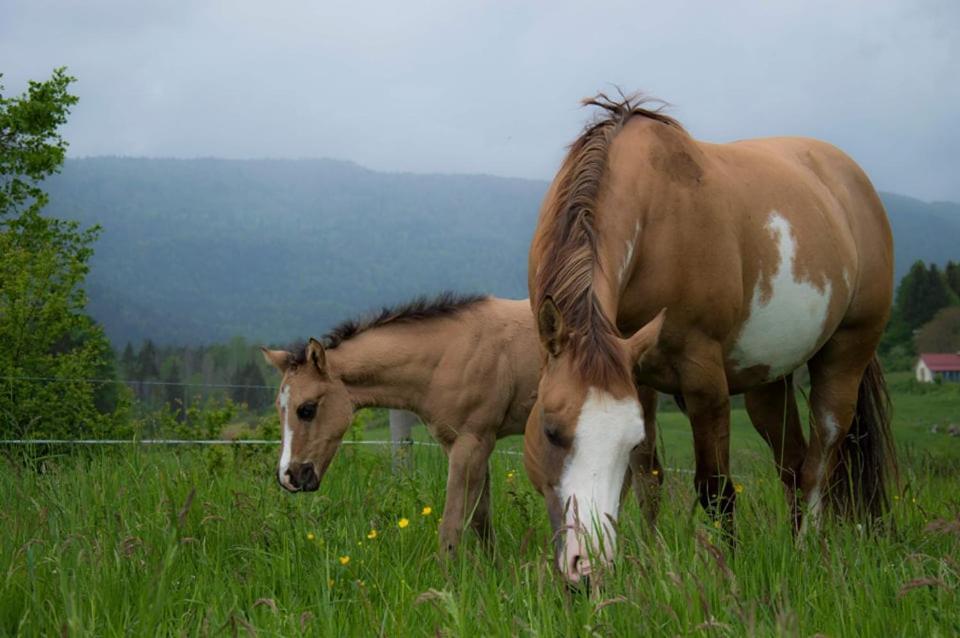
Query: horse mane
(445, 304)
(569, 255)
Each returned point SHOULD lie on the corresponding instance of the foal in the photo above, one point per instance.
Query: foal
(467, 365)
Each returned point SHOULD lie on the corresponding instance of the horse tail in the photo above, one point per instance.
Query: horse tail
(681, 403)
(867, 460)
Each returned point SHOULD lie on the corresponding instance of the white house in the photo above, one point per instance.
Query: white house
(932, 366)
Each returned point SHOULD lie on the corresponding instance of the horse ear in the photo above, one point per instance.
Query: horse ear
(317, 355)
(646, 337)
(279, 359)
(553, 333)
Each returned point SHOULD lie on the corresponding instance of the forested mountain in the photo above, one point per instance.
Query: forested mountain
(196, 251)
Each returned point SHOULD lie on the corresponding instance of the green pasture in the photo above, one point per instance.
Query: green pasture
(143, 542)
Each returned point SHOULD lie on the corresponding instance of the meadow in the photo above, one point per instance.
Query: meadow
(188, 541)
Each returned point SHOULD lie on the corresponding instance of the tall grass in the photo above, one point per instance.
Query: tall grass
(149, 542)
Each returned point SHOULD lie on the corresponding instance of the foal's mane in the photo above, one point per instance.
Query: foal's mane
(445, 304)
(569, 244)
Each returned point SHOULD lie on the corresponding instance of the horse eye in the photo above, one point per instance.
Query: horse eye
(552, 433)
(307, 411)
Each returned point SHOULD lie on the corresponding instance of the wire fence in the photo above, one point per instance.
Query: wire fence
(201, 442)
(239, 386)
(174, 442)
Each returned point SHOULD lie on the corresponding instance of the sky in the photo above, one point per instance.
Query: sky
(494, 86)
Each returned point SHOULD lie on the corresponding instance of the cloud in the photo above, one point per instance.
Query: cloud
(493, 87)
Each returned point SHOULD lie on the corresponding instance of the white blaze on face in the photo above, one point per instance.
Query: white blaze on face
(607, 430)
(287, 438)
(783, 331)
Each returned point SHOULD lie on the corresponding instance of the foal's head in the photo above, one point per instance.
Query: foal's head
(580, 434)
(315, 412)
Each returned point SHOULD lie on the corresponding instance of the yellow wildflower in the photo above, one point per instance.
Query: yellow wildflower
(372, 534)
(344, 560)
(427, 511)
(311, 536)
(402, 523)
(738, 488)
(655, 472)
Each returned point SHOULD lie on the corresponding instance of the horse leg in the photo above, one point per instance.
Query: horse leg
(645, 469)
(835, 375)
(773, 412)
(482, 521)
(467, 479)
(705, 392)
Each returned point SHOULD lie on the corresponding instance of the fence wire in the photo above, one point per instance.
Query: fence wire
(402, 443)
(142, 383)
(176, 442)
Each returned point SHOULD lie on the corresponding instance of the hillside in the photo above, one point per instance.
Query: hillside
(196, 251)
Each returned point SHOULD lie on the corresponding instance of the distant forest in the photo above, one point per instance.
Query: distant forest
(198, 251)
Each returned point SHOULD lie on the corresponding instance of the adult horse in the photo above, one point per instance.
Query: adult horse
(730, 265)
(466, 364)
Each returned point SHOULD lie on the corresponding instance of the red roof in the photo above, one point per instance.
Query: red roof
(940, 362)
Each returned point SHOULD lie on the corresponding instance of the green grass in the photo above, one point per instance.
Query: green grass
(203, 542)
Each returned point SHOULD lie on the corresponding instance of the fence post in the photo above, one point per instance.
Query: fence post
(401, 436)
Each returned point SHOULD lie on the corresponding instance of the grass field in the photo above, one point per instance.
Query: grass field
(146, 542)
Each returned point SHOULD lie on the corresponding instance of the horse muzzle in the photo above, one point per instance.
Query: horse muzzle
(300, 477)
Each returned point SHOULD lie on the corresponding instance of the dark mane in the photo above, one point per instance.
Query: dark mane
(443, 305)
(569, 243)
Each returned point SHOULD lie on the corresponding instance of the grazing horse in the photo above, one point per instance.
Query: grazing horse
(467, 365)
(729, 266)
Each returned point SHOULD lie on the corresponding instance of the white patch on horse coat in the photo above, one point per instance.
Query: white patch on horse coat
(831, 430)
(287, 438)
(592, 477)
(783, 331)
(628, 256)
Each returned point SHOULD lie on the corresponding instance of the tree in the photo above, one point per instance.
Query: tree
(951, 273)
(128, 362)
(51, 349)
(174, 392)
(921, 293)
(147, 369)
(942, 333)
(249, 387)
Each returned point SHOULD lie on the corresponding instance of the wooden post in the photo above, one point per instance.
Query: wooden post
(401, 434)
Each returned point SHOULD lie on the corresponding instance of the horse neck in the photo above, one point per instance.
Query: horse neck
(390, 366)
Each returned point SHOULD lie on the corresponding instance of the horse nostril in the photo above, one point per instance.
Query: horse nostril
(307, 478)
(577, 564)
(578, 580)
(292, 479)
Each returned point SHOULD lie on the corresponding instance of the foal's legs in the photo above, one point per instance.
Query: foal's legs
(468, 490)
(705, 392)
(835, 374)
(773, 412)
(645, 469)
(482, 521)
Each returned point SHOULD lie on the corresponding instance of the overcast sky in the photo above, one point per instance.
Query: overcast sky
(493, 87)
